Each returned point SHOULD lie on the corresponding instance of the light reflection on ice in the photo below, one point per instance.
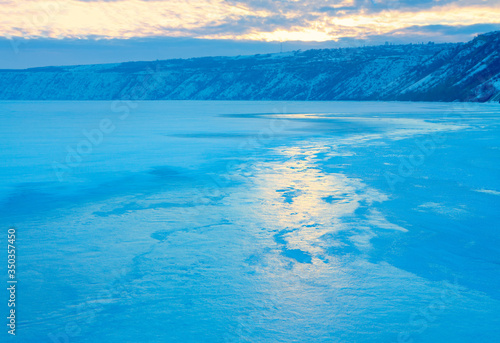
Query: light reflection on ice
(282, 251)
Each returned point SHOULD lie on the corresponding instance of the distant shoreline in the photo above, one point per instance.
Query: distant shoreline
(462, 72)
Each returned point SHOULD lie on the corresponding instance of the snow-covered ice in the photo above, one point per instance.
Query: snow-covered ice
(200, 221)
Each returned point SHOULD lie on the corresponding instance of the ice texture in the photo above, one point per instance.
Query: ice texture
(213, 221)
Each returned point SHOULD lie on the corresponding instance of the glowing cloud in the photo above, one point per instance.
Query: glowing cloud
(210, 19)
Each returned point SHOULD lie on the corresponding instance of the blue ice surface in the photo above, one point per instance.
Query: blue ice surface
(199, 221)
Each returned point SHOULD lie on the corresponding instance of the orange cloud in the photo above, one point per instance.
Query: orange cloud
(219, 19)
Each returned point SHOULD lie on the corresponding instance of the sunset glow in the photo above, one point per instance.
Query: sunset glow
(237, 20)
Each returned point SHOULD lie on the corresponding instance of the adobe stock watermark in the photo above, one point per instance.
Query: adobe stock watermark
(425, 146)
(249, 148)
(75, 154)
(419, 321)
(86, 313)
(93, 138)
(11, 280)
(38, 21)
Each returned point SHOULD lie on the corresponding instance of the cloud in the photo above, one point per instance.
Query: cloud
(448, 30)
(264, 20)
(49, 51)
(341, 7)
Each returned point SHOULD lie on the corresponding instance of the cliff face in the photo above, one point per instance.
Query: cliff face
(430, 72)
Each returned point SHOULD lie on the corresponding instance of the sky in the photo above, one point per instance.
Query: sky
(61, 32)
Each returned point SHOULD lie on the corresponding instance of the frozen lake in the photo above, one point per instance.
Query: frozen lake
(192, 221)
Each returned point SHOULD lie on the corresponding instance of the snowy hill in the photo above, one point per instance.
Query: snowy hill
(429, 72)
